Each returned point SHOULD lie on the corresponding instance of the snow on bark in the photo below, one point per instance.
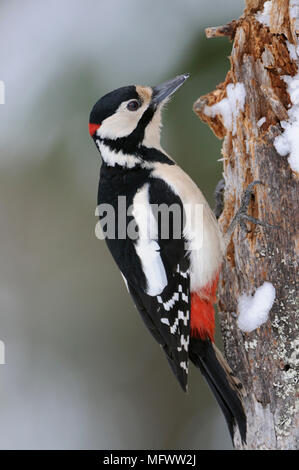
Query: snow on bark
(288, 142)
(230, 106)
(254, 309)
(264, 15)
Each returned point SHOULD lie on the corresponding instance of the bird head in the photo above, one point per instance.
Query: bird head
(129, 118)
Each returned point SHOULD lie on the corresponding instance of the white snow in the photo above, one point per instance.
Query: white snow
(288, 142)
(254, 310)
(261, 122)
(293, 50)
(230, 106)
(264, 16)
(294, 12)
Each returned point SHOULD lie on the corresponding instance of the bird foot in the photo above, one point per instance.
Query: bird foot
(242, 217)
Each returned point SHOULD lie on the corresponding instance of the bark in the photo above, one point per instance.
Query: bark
(265, 360)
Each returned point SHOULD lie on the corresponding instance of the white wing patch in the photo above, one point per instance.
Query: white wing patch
(146, 246)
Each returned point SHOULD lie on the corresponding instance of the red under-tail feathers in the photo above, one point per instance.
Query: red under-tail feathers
(202, 320)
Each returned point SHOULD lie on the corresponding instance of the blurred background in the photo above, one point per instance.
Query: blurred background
(81, 370)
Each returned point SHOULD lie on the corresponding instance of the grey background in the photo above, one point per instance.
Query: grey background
(81, 370)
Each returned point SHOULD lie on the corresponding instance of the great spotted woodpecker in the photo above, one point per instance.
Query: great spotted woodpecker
(172, 280)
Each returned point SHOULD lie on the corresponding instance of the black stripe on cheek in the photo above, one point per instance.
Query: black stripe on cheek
(130, 143)
(145, 119)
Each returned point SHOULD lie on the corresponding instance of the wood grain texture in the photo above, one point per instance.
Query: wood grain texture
(266, 360)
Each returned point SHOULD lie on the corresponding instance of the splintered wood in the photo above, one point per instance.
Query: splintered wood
(246, 111)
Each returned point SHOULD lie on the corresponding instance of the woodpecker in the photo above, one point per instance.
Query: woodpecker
(172, 280)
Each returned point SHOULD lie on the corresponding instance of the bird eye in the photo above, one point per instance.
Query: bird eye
(133, 105)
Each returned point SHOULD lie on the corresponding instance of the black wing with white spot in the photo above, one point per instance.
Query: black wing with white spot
(167, 315)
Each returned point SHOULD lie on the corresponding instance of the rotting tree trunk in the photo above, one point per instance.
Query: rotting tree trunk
(265, 359)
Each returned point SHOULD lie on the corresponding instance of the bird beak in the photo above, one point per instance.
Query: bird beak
(166, 89)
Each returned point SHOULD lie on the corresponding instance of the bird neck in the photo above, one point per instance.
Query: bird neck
(122, 153)
(140, 148)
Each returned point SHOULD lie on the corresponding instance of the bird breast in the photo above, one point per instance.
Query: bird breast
(202, 233)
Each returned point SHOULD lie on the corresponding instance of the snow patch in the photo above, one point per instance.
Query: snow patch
(261, 122)
(293, 50)
(294, 12)
(264, 16)
(230, 106)
(254, 309)
(288, 142)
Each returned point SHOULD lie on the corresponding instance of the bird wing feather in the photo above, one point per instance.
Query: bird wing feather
(166, 312)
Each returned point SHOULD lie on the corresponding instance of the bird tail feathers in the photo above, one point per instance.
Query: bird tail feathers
(228, 390)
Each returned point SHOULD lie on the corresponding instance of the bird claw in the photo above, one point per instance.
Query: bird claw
(244, 226)
(256, 221)
(242, 217)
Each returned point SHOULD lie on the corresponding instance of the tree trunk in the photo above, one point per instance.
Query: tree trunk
(246, 110)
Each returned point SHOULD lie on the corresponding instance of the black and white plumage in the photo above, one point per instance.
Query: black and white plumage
(169, 322)
(172, 279)
(156, 272)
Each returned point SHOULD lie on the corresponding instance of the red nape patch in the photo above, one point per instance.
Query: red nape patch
(202, 311)
(93, 128)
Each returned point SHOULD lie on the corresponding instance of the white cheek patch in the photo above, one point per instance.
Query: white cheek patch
(122, 123)
(153, 131)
